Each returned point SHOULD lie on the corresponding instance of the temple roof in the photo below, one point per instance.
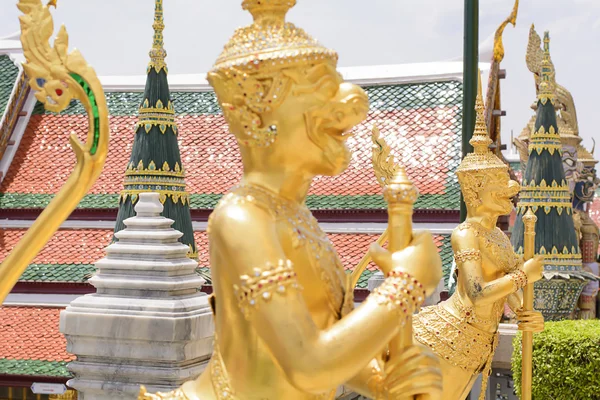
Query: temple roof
(31, 344)
(420, 121)
(70, 255)
(8, 77)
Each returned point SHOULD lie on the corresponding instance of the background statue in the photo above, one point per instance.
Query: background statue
(463, 330)
(566, 116)
(285, 327)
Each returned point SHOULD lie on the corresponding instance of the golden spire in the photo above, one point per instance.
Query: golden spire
(480, 140)
(547, 83)
(481, 158)
(158, 52)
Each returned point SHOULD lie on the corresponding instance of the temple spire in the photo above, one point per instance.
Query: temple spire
(546, 193)
(155, 164)
(548, 83)
(158, 52)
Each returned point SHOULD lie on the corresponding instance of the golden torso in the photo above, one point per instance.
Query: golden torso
(464, 336)
(250, 369)
(497, 259)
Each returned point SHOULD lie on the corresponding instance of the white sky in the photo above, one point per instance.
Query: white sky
(115, 36)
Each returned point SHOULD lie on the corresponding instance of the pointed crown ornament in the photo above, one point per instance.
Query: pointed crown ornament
(249, 76)
(477, 167)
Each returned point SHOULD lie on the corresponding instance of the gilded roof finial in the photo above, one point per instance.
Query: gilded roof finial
(158, 52)
(547, 83)
(498, 45)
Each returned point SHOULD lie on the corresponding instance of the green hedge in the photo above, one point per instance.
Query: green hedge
(566, 361)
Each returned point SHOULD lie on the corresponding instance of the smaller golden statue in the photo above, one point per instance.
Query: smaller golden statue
(462, 330)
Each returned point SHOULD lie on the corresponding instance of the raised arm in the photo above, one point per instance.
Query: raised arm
(271, 299)
(469, 261)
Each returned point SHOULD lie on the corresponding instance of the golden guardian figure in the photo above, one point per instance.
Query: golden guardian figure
(286, 327)
(463, 330)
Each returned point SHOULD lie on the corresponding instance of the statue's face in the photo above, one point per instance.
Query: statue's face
(497, 193)
(315, 120)
(571, 166)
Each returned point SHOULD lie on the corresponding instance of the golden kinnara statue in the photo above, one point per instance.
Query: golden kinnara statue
(463, 330)
(283, 304)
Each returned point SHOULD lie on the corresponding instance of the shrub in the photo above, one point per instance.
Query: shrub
(566, 361)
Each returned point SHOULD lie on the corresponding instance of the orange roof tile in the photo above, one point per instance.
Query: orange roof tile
(424, 140)
(31, 333)
(67, 246)
(86, 246)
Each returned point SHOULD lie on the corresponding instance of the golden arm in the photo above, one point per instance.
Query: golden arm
(470, 275)
(313, 360)
(515, 300)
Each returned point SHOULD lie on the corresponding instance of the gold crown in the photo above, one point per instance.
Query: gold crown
(481, 158)
(270, 43)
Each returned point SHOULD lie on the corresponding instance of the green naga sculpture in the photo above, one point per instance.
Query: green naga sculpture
(545, 190)
(155, 163)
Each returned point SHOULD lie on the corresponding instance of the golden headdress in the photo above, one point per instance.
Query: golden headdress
(476, 169)
(481, 158)
(248, 76)
(271, 43)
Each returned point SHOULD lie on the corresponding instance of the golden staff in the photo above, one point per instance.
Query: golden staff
(384, 168)
(529, 220)
(58, 77)
(400, 194)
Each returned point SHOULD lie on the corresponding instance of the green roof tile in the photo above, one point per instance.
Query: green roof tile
(384, 98)
(8, 78)
(449, 201)
(34, 368)
(57, 273)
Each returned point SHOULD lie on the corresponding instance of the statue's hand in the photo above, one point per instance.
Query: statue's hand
(413, 372)
(420, 259)
(534, 268)
(530, 321)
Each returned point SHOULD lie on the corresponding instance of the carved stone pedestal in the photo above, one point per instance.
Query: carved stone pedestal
(148, 323)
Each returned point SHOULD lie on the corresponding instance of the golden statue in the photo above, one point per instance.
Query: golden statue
(58, 77)
(463, 330)
(285, 323)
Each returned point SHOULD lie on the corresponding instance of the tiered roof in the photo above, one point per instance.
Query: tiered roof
(421, 121)
(70, 255)
(8, 76)
(30, 343)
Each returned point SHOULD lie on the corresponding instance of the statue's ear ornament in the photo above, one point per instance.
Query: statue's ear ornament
(246, 100)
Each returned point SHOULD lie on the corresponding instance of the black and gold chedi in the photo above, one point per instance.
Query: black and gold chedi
(545, 191)
(155, 163)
